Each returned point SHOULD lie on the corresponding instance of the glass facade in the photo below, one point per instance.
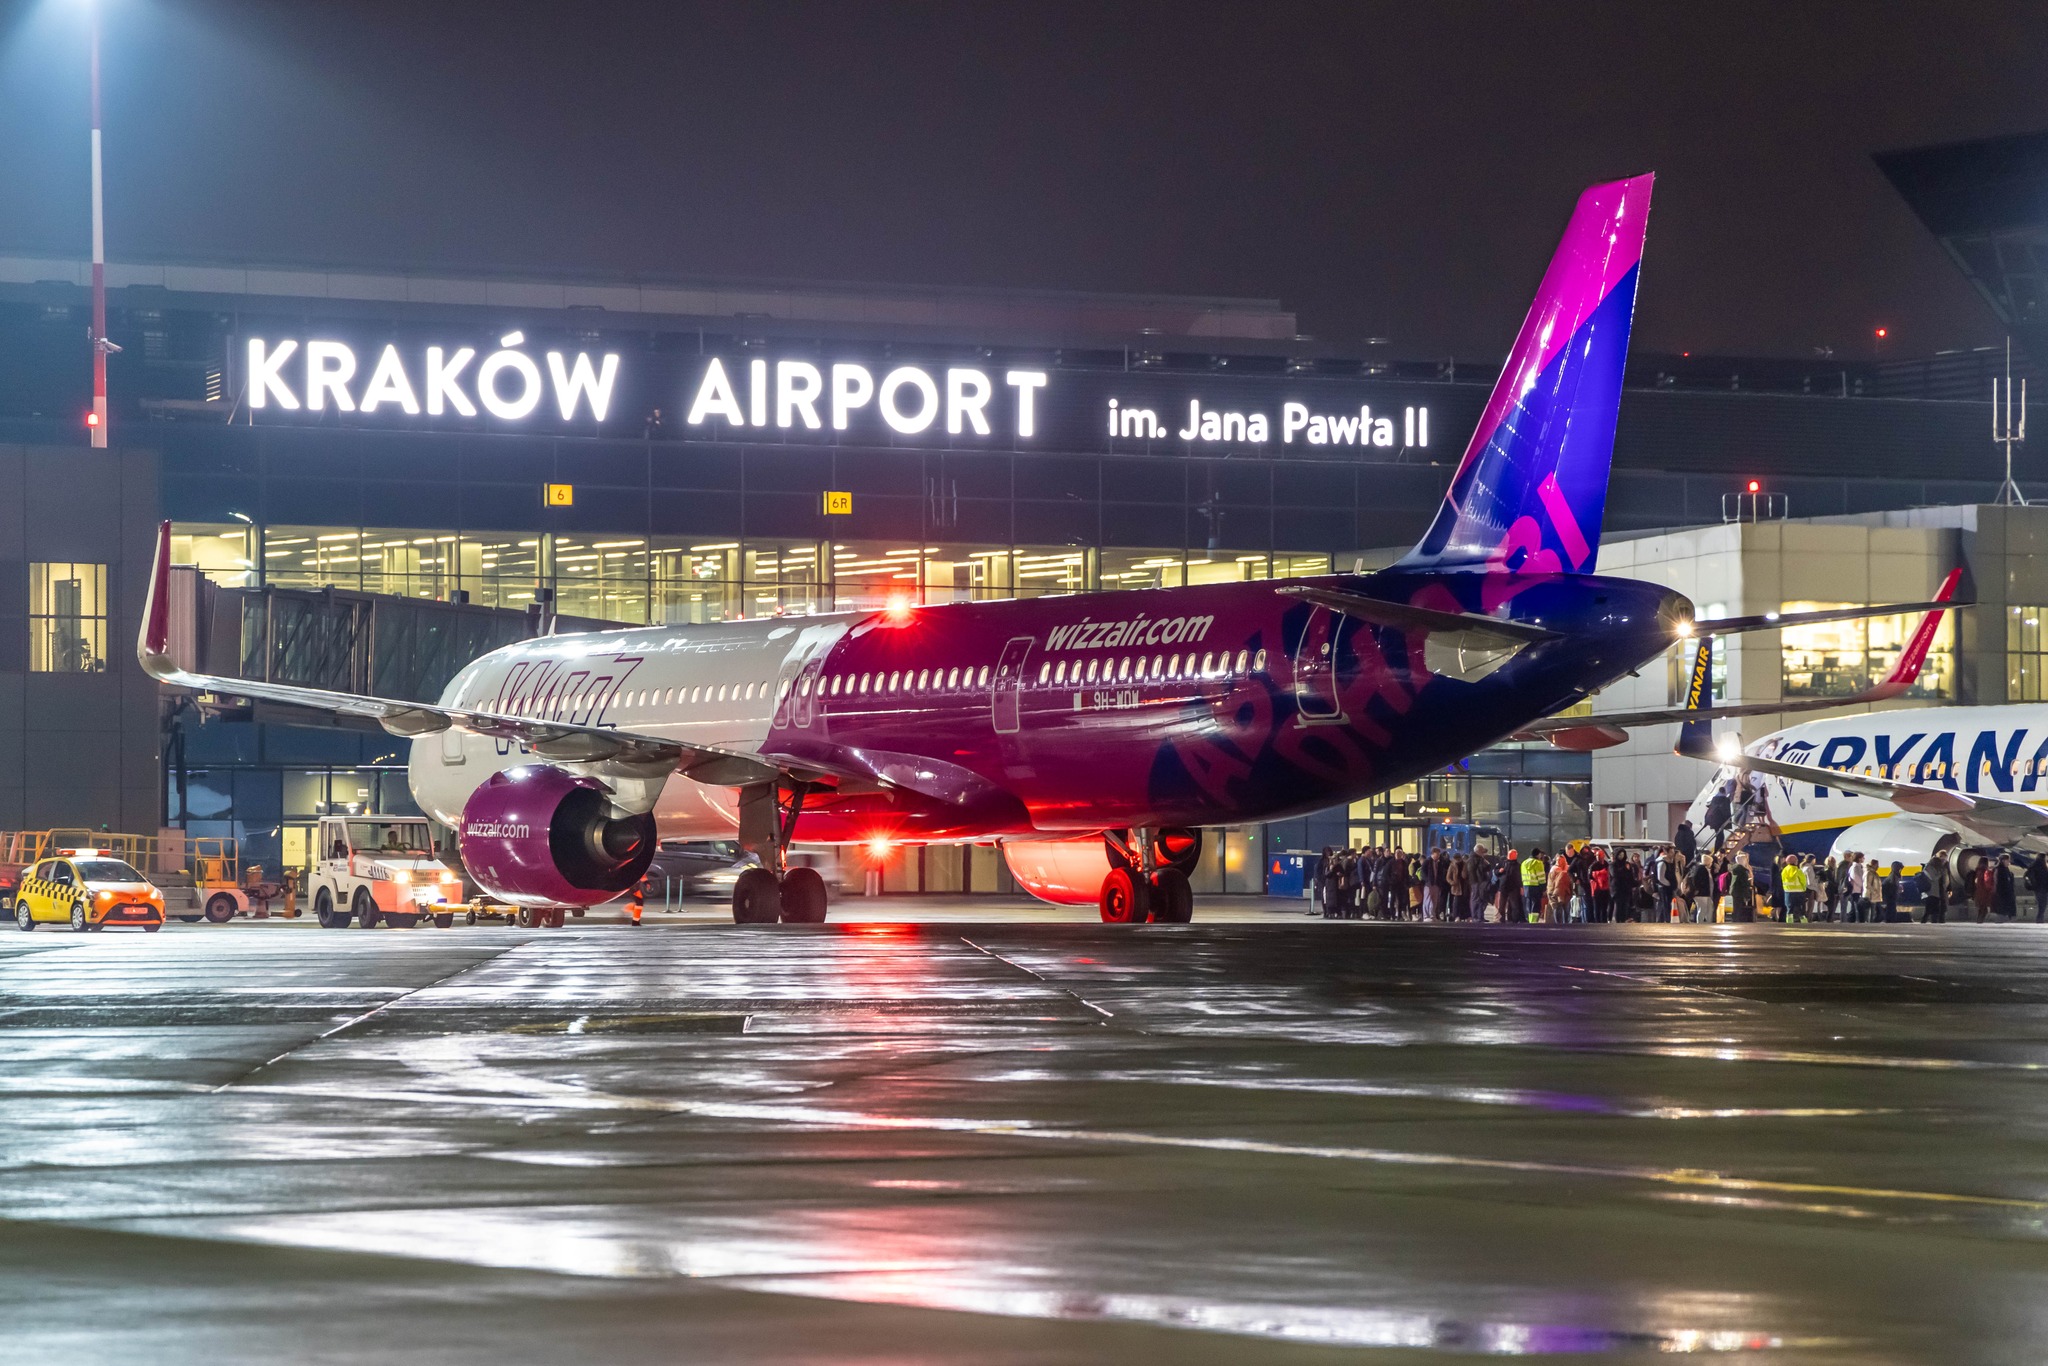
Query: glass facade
(2026, 655)
(1842, 658)
(67, 618)
(1536, 797)
(669, 581)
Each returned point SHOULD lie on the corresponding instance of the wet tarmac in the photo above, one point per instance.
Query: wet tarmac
(995, 1139)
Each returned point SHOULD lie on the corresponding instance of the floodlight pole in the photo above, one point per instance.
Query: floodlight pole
(98, 332)
(2005, 432)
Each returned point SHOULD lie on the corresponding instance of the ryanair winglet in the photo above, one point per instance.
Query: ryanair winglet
(1695, 738)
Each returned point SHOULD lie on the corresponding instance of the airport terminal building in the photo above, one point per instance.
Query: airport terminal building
(373, 476)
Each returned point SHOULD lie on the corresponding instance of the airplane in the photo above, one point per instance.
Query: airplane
(1091, 735)
(1931, 784)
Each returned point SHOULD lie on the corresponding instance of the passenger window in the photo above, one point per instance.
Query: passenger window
(1059, 675)
(953, 679)
(1173, 666)
(1044, 672)
(1243, 658)
(1259, 661)
(721, 692)
(1123, 669)
(984, 676)
(924, 680)
(1094, 665)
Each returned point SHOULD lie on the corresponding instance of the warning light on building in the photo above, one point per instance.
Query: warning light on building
(838, 504)
(561, 495)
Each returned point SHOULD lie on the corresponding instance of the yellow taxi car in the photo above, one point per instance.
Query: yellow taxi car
(87, 889)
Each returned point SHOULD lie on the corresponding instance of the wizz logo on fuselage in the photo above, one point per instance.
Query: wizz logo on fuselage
(574, 691)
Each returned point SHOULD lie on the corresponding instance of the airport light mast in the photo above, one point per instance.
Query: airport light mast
(97, 333)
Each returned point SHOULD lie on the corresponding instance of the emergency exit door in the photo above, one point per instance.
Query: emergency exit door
(1006, 689)
(1315, 666)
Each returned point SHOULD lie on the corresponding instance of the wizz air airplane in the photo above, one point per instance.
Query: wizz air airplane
(1090, 735)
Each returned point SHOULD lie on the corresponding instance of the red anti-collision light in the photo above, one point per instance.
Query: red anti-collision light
(92, 419)
(1754, 486)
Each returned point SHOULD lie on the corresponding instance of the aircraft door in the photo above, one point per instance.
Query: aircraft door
(797, 686)
(1006, 689)
(1315, 666)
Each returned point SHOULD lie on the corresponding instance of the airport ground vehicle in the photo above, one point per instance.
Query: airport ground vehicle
(225, 889)
(376, 870)
(88, 889)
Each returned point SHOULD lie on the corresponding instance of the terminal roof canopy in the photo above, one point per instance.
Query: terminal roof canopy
(1987, 202)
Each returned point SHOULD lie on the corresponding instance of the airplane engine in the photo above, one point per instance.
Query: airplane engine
(1907, 840)
(1064, 872)
(1071, 872)
(540, 836)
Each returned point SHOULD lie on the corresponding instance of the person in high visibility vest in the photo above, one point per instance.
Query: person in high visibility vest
(1792, 879)
(1534, 871)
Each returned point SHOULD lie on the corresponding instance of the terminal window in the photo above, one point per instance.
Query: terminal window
(1839, 658)
(2026, 654)
(67, 618)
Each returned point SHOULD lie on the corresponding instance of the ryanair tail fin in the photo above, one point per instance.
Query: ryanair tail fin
(1529, 494)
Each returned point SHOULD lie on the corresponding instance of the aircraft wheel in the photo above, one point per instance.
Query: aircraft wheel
(1123, 898)
(756, 898)
(364, 907)
(220, 908)
(803, 897)
(1173, 901)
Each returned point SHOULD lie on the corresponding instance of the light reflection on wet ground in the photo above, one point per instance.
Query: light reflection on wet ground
(1228, 1142)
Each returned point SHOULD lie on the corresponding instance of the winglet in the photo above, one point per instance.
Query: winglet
(1696, 738)
(153, 647)
(1907, 670)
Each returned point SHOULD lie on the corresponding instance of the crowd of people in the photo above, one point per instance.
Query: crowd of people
(1597, 883)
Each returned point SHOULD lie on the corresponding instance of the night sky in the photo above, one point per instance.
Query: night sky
(1395, 171)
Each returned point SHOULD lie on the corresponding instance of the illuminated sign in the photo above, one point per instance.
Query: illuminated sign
(560, 495)
(507, 383)
(1211, 426)
(838, 504)
(577, 384)
(907, 398)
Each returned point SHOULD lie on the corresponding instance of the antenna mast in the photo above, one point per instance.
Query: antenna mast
(2005, 433)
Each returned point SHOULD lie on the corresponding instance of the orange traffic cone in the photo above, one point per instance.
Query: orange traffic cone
(638, 902)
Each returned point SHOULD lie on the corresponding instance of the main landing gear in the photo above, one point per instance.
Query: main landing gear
(1148, 876)
(775, 891)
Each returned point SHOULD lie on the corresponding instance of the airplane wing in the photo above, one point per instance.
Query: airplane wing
(558, 740)
(1476, 629)
(1598, 729)
(1994, 819)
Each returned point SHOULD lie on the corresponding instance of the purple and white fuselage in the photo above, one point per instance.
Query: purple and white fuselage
(1117, 722)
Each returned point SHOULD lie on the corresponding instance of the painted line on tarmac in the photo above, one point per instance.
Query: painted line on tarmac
(563, 1097)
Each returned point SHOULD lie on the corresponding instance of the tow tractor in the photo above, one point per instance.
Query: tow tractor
(376, 870)
(226, 889)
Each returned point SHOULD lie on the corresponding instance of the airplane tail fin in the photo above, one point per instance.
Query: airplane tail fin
(1530, 492)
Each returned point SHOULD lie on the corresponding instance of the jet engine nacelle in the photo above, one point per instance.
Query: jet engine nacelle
(1906, 840)
(539, 836)
(1071, 872)
(1064, 872)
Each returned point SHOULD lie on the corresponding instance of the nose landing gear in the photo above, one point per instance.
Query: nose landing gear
(775, 891)
(1148, 876)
